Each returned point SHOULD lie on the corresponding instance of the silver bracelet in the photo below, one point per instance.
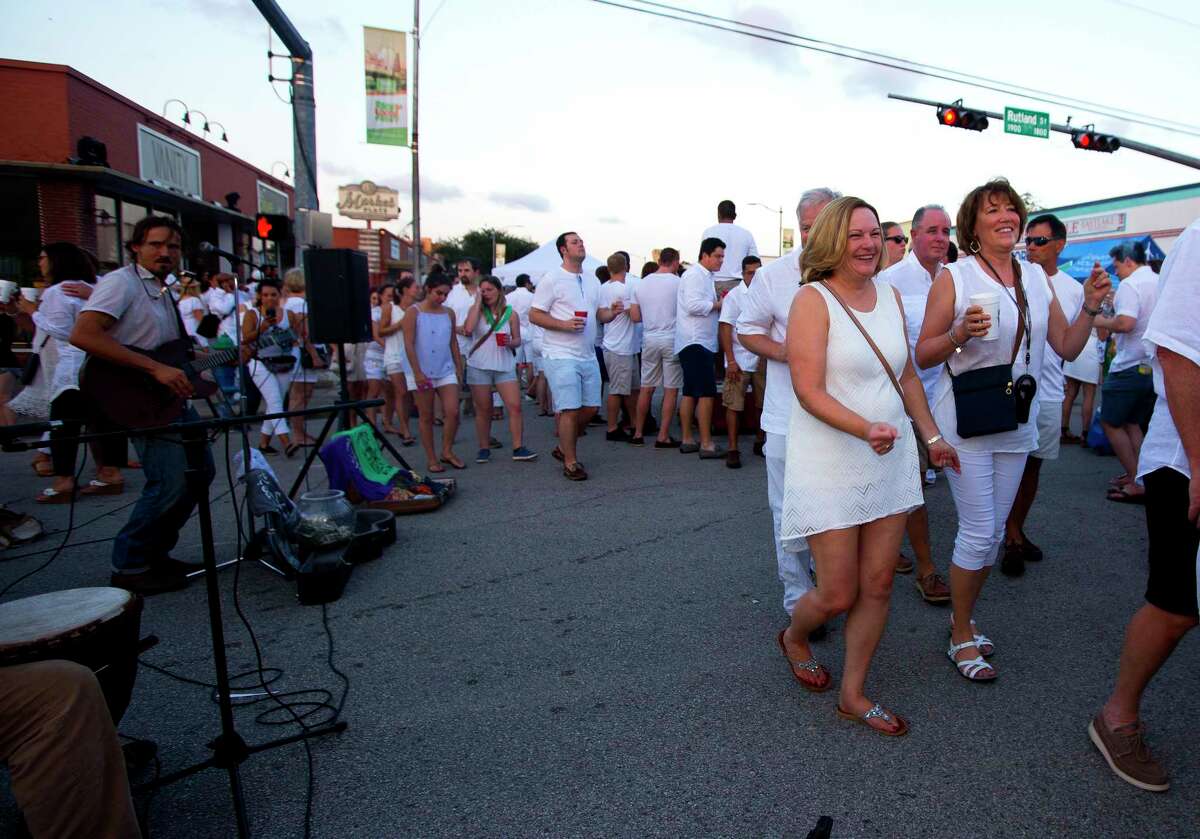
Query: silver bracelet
(935, 438)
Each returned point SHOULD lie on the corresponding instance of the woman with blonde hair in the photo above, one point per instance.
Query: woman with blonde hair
(192, 307)
(852, 471)
(308, 354)
(988, 320)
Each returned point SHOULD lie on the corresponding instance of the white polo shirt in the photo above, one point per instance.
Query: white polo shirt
(1135, 298)
(909, 277)
(731, 308)
(765, 310)
(618, 332)
(657, 297)
(1173, 326)
(739, 243)
(145, 313)
(561, 294)
(1069, 293)
(695, 310)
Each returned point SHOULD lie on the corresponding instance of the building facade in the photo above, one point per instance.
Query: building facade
(81, 163)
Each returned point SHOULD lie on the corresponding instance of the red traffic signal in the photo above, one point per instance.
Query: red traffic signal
(956, 116)
(1091, 141)
(273, 227)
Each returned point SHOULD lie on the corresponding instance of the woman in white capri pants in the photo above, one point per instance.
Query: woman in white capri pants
(271, 368)
(956, 333)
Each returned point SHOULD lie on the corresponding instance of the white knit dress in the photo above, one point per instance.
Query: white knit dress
(834, 480)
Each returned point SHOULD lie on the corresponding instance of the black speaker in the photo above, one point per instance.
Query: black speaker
(339, 296)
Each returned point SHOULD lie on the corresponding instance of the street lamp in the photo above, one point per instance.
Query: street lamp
(186, 109)
(778, 210)
(287, 173)
(224, 138)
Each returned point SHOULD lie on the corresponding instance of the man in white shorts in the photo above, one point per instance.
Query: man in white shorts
(521, 298)
(652, 304)
(762, 329)
(620, 357)
(1045, 237)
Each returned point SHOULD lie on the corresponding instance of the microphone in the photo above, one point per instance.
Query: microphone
(209, 247)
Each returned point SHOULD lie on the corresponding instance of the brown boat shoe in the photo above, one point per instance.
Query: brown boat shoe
(1128, 755)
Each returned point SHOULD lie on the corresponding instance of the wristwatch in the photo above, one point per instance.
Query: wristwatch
(1091, 312)
(935, 438)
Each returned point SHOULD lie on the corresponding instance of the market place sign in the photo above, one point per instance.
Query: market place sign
(368, 201)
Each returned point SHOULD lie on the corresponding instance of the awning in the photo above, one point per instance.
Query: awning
(1077, 258)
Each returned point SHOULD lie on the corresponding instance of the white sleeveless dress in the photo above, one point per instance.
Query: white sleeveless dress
(834, 480)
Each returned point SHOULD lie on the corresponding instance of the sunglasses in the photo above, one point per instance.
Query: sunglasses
(899, 240)
(1040, 241)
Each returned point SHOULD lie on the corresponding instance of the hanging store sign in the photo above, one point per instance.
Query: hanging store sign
(167, 163)
(368, 201)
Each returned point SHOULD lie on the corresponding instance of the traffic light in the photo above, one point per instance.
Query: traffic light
(273, 227)
(956, 116)
(1086, 138)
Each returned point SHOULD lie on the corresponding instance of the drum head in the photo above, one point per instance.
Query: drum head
(33, 621)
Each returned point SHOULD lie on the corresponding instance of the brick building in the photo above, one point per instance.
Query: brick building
(81, 163)
(387, 253)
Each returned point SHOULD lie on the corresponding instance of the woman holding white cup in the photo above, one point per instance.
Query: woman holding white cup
(988, 320)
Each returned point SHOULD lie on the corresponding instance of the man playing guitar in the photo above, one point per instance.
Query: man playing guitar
(131, 307)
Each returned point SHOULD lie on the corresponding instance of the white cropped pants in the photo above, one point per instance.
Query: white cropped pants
(983, 495)
(793, 565)
(273, 387)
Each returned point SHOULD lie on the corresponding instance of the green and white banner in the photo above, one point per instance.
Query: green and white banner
(387, 86)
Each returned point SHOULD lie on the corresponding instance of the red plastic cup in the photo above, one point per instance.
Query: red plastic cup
(581, 315)
(501, 339)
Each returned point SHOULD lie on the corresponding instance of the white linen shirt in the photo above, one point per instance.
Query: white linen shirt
(618, 332)
(561, 294)
(1135, 298)
(739, 243)
(1173, 326)
(521, 299)
(765, 310)
(909, 277)
(55, 317)
(731, 307)
(1069, 293)
(696, 310)
(657, 296)
(460, 301)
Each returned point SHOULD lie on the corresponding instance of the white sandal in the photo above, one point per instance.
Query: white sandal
(986, 648)
(970, 668)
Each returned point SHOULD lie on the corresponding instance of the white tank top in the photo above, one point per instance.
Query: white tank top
(970, 277)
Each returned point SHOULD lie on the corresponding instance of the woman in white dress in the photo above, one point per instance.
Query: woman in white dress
(305, 377)
(959, 335)
(395, 358)
(852, 472)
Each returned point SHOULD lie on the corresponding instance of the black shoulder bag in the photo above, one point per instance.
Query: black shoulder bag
(987, 400)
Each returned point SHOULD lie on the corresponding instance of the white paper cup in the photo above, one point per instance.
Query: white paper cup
(30, 293)
(990, 303)
(7, 289)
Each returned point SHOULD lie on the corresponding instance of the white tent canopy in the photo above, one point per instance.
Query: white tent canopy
(537, 263)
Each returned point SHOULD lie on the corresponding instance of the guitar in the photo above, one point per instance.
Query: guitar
(132, 399)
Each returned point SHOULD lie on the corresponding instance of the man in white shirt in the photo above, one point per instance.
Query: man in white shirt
(521, 298)
(739, 244)
(696, 313)
(564, 306)
(762, 329)
(894, 241)
(653, 302)
(1170, 468)
(1127, 397)
(620, 357)
(740, 363)
(1045, 237)
(912, 276)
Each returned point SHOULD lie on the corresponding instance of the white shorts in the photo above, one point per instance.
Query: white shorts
(1049, 434)
(373, 366)
(452, 379)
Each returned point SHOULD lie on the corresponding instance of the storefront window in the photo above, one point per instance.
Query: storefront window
(108, 247)
(131, 214)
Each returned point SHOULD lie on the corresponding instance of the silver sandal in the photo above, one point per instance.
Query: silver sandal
(971, 668)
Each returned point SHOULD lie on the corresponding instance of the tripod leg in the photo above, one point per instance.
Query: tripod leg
(384, 440)
(312, 455)
(230, 748)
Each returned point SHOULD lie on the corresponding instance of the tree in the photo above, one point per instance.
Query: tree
(478, 244)
(1031, 203)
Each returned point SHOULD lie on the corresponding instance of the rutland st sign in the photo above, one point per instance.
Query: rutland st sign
(1026, 123)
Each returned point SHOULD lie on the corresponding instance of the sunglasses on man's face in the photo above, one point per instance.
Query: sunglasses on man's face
(899, 240)
(1040, 241)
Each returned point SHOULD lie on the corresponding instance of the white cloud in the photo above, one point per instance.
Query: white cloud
(521, 201)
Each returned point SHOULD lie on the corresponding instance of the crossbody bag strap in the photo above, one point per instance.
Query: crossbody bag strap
(887, 368)
(486, 335)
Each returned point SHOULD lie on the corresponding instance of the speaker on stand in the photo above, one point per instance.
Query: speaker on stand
(339, 304)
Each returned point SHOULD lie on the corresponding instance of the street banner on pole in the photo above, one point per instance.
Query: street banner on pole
(387, 86)
(788, 238)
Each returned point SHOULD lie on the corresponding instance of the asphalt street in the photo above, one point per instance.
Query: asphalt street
(547, 658)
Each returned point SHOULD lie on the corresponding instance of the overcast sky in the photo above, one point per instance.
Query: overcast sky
(546, 115)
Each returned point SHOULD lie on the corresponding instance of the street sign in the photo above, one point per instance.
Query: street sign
(1026, 123)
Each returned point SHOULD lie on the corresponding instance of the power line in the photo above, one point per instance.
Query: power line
(904, 65)
(1156, 13)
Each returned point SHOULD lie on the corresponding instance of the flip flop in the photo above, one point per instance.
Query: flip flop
(1121, 496)
(407, 441)
(53, 496)
(44, 468)
(98, 487)
(811, 666)
(452, 464)
(877, 712)
(436, 468)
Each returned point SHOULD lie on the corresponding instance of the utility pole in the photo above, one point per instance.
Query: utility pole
(416, 166)
(1132, 145)
(304, 104)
